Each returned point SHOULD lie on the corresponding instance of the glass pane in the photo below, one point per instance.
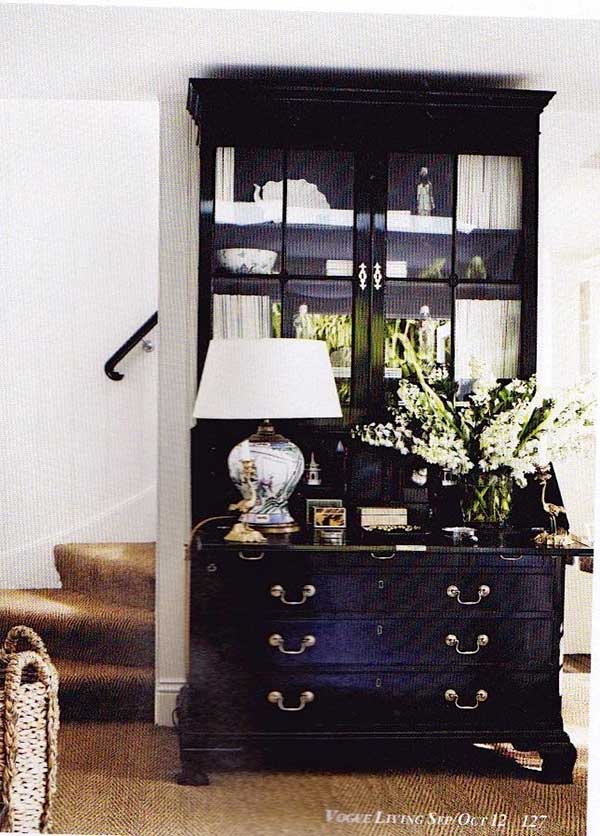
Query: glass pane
(488, 217)
(322, 310)
(246, 308)
(419, 216)
(248, 210)
(421, 311)
(320, 213)
(487, 332)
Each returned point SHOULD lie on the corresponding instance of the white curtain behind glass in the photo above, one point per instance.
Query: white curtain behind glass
(225, 174)
(488, 332)
(489, 191)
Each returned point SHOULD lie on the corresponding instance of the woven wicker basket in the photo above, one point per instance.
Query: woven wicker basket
(28, 733)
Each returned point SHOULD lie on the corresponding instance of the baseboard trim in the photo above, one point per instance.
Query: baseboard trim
(165, 699)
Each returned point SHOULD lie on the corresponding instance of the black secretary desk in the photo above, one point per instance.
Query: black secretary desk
(350, 214)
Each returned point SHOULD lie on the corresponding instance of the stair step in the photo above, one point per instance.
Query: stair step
(104, 692)
(80, 627)
(118, 573)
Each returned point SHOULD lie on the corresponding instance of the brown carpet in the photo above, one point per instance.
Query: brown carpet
(99, 628)
(119, 779)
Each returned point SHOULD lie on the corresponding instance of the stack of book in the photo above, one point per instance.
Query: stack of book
(338, 267)
(241, 317)
(396, 269)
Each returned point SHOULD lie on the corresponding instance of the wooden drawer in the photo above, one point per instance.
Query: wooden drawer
(250, 559)
(451, 592)
(409, 699)
(451, 642)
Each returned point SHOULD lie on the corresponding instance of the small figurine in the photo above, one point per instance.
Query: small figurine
(426, 336)
(476, 269)
(425, 201)
(248, 487)
(544, 475)
(303, 324)
(242, 533)
(313, 472)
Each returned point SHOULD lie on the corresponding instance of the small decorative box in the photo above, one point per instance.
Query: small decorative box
(329, 517)
(382, 516)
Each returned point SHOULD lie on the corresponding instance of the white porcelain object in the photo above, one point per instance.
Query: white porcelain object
(246, 260)
(299, 193)
(305, 203)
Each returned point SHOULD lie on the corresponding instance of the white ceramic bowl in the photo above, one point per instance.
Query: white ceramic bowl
(246, 260)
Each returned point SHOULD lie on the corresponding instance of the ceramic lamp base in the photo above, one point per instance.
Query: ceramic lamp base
(265, 469)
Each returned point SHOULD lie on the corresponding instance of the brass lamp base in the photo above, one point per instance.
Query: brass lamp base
(284, 528)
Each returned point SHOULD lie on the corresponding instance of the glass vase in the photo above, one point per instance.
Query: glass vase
(486, 499)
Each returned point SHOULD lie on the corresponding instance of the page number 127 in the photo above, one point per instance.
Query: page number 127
(530, 821)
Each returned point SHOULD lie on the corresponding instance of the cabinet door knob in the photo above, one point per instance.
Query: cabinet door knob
(276, 697)
(362, 275)
(454, 592)
(279, 642)
(308, 590)
(452, 696)
(377, 276)
(452, 641)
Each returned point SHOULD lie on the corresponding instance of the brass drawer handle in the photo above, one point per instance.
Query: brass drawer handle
(278, 591)
(454, 592)
(243, 556)
(279, 642)
(382, 556)
(452, 696)
(276, 697)
(452, 641)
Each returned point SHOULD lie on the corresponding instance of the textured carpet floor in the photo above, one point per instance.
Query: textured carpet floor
(99, 628)
(119, 779)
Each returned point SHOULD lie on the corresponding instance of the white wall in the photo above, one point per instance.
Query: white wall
(79, 274)
(569, 254)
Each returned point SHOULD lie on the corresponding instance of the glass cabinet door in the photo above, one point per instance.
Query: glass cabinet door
(420, 198)
(488, 267)
(248, 231)
(452, 276)
(421, 312)
(413, 299)
(488, 217)
(284, 249)
(488, 330)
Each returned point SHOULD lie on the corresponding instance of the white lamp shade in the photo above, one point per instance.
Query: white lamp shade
(267, 378)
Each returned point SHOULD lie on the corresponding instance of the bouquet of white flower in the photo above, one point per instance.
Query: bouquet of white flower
(502, 432)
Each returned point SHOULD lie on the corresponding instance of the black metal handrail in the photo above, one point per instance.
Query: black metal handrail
(109, 366)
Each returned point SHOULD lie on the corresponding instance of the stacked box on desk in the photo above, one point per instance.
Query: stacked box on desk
(382, 516)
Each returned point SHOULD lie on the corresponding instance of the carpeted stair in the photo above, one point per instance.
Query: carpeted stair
(99, 628)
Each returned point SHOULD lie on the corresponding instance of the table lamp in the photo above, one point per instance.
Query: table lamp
(266, 379)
